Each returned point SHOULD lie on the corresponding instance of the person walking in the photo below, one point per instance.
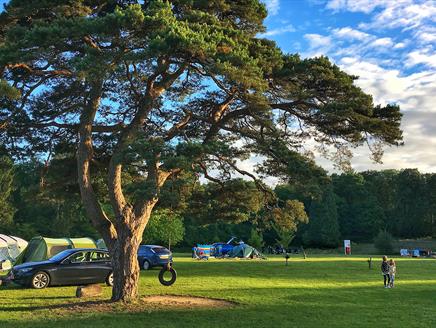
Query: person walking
(385, 271)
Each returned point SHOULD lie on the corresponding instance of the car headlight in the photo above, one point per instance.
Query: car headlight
(24, 270)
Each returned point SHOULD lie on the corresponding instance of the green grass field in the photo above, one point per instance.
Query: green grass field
(316, 292)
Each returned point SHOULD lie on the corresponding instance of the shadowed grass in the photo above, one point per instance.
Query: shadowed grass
(317, 292)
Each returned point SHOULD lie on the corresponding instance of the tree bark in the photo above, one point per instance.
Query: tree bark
(124, 253)
(125, 265)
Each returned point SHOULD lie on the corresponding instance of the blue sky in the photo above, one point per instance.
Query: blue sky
(389, 44)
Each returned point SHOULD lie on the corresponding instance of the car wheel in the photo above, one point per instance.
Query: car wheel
(110, 279)
(162, 278)
(40, 280)
(146, 265)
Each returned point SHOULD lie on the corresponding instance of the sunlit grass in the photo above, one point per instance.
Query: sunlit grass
(319, 291)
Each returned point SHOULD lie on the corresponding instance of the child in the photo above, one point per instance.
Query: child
(392, 271)
(385, 271)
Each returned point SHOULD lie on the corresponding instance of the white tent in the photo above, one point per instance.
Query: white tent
(10, 248)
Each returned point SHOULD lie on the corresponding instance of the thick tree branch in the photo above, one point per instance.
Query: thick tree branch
(84, 156)
(178, 127)
(145, 105)
(39, 72)
(207, 175)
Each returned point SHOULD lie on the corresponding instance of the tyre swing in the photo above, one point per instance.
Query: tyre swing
(162, 273)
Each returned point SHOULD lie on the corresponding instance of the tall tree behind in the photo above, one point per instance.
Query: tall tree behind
(360, 216)
(6, 181)
(323, 227)
(411, 207)
(52, 210)
(431, 195)
(382, 185)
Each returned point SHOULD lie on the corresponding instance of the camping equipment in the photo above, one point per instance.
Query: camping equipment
(41, 248)
(245, 251)
(10, 249)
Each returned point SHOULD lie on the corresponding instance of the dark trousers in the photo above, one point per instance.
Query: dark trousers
(387, 279)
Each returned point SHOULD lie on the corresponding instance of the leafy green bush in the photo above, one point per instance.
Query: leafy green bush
(165, 227)
(383, 242)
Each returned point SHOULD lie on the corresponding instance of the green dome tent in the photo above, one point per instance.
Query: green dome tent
(41, 248)
(245, 251)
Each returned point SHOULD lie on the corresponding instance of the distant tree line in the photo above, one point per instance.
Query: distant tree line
(354, 206)
(358, 206)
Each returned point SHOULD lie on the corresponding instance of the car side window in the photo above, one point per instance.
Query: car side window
(78, 257)
(99, 257)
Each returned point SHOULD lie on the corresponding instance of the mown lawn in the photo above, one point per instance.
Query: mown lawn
(316, 292)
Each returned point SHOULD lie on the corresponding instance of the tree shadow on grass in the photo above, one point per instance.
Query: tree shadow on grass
(48, 298)
(49, 307)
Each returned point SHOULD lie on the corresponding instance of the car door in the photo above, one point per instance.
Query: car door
(73, 270)
(142, 254)
(99, 266)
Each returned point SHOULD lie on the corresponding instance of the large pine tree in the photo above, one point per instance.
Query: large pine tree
(162, 87)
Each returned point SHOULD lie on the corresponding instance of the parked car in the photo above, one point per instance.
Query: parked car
(150, 256)
(79, 266)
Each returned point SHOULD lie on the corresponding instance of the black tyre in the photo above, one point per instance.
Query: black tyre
(40, 280)
(110, 279)
(146, 265)
(162, 278)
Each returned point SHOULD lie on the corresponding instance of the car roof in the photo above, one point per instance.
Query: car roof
(151, 246)
(72, 250)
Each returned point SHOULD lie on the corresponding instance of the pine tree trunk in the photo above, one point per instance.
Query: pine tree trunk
(126, 268)
(124, 256)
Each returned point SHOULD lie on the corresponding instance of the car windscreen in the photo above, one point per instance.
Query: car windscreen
(59, 256)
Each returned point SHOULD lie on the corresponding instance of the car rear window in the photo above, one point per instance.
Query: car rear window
(99, 257)
(160, 250)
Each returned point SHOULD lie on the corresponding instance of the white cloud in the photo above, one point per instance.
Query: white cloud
(422, 56)
(426, 34)
(382, 42)
(405, 14)
(389, 85)
(277, 31)
(350, 33)
(416, 95)
(272, 6)
(400, 45)
(318, 44)
(365, 6)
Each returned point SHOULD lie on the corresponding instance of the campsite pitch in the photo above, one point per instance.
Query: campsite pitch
(317, 292)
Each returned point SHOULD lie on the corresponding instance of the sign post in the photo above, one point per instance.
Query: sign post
(347, 247)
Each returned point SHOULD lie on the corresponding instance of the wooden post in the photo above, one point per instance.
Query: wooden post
(304, 252)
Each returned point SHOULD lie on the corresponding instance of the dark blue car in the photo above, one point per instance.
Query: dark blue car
(78, 266)
(150, 256)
